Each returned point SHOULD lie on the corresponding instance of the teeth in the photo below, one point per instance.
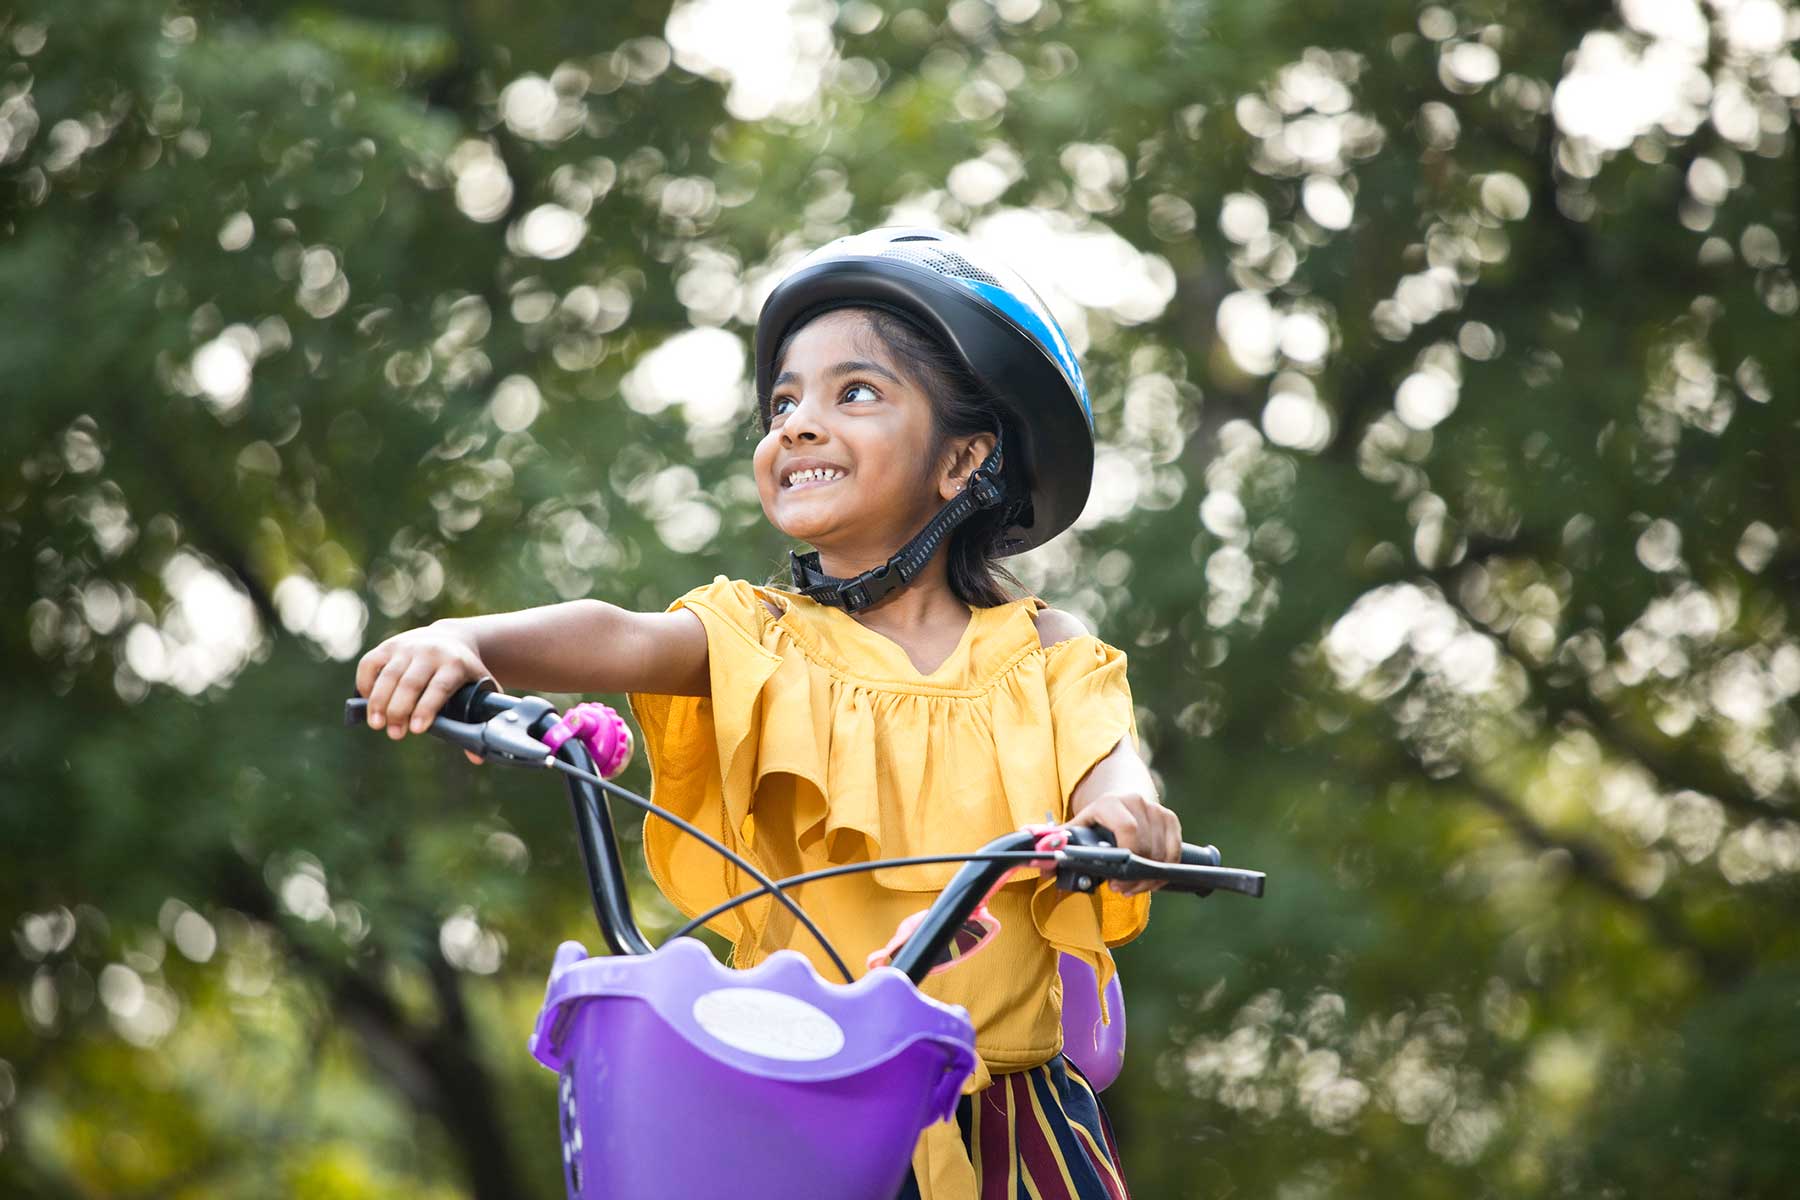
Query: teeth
(812, 474)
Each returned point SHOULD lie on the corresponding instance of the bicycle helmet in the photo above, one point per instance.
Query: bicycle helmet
(1043, 463)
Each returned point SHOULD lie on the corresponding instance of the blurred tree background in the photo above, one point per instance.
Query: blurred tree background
(1444, 358)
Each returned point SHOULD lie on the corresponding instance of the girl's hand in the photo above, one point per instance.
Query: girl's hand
(1139, 824)
(408, 677)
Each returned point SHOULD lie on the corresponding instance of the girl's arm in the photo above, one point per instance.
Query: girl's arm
(1118, 792)
(581, 646)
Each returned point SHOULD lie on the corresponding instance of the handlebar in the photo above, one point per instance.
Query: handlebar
(1089, 858)
(480, 718)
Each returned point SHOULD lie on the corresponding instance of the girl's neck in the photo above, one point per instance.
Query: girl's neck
(925, 603)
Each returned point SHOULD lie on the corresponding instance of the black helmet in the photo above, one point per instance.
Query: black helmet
(999, 326)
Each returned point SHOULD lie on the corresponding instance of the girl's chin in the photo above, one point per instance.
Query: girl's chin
(804, 526)
(803, 514)
(819, 535)
(831, 534)
(832, 528)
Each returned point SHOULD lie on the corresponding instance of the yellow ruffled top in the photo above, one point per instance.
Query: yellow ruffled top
(821, 744)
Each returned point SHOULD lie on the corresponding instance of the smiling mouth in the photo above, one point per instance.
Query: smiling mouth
(812, 477)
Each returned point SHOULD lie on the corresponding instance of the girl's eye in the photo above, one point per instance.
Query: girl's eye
(781, 406)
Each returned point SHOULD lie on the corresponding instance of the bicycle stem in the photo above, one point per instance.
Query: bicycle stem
(600, 856)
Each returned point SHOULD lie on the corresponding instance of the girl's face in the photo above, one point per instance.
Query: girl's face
(848, 462)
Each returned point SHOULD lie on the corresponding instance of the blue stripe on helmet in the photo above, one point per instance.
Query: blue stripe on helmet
(1042, 329)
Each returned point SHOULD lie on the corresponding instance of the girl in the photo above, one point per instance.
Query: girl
(922, 415)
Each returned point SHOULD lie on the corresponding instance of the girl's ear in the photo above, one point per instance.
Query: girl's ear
(961, 459)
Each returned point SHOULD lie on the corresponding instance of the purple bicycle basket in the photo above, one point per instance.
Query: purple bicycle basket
(682, 1078)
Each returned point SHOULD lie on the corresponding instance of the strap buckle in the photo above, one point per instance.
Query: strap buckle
(985, 488)
(853, 595)
(985, 491)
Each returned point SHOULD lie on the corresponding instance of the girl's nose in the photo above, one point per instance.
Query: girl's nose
(802, 423)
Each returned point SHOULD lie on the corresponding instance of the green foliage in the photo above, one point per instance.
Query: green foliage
(1444, 372)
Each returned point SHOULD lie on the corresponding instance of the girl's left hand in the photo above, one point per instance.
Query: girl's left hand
(1138, 824)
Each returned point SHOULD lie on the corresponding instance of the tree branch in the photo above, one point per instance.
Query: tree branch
(436, 1069)
(1674, 770)
(1594, 866)
(197, 516)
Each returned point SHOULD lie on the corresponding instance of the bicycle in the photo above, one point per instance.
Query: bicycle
(829, 1085)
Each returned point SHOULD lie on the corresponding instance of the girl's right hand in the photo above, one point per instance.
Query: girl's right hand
(408, 677)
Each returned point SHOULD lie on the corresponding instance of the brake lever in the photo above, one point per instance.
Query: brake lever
(1082, 868)
(508, 737)
(505, 736)
(1090, 857)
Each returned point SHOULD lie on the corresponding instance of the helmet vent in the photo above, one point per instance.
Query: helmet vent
(944, 262)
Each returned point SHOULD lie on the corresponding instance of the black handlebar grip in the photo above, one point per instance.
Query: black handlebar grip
(1199, 856)
(467, 704)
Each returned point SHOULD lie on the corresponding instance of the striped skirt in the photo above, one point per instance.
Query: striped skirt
(1039, 1135)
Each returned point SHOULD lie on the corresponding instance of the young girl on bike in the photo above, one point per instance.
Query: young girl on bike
(922, 415)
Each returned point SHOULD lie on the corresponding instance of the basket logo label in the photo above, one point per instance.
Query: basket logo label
(770, 1024)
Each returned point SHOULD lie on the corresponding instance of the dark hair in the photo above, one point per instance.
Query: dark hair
(960, 407)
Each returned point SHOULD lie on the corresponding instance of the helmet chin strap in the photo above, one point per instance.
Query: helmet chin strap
(984, 490)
